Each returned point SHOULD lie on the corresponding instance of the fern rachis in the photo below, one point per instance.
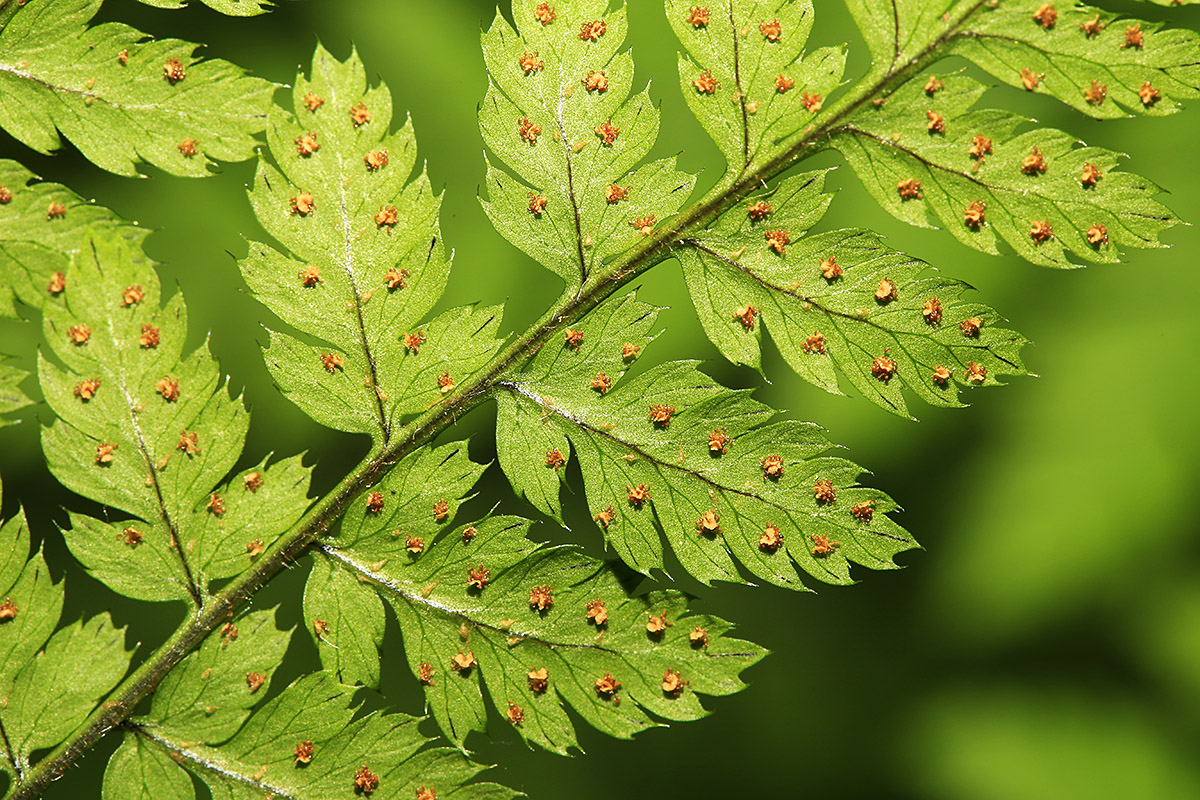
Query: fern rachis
(358, 265)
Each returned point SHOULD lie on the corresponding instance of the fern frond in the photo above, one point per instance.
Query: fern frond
(42, 225)
(559, 115)
(121, 97)
(766, 87)
(233, 8)
(147, 430)
(50, 681)
(988, 180)
(1093, 60)
(671, 446)
(480, 605)
(840, 301)
(364, 262)
(308, 743)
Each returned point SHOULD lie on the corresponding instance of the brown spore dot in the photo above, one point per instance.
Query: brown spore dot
(597, 613)
(883, 368)
(539, 679)
(255, 680)
(359, 115)
(478, 577)
(79, 334)
(541, 598)
(673, 683)
(168, 387)
(365, 781)
(104, 453)
(85, 390)
(607, 686)
(303, 752)
(822, 546)
(592, 31)
(864, 510)
(173, 71)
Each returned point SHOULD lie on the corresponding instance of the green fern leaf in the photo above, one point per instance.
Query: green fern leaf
(1046, 195)
(481, 605)
(746, 77)
(209, 695)
(672, 447)
(151, 432)
(50, 683)
(308, 743)
(120, 97)
(41, 226)
(1086, 57)
(880, 317)
(559, 115)
(365, 262)
(233, 8)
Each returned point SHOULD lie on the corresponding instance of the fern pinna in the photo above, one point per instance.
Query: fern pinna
(674, 466)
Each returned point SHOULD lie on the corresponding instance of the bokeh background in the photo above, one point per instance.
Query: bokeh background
(1046, 644)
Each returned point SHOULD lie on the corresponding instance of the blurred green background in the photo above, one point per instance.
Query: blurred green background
(1047, 642)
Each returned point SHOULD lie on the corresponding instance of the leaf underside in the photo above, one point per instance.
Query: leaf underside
(527, 611)
(121, 97)
(153, 433)
(50, 680)
(364, 262)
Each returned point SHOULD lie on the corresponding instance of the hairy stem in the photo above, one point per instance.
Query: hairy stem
(570, 308)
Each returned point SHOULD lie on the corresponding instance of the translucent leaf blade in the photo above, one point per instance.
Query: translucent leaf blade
(121, 98)
(558, 114)
(42, 225)
(306, 744)
(927, 154)
(671, 453)
(746, 77)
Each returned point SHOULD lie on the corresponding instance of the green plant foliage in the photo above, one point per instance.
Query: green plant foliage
(365, 262)
(234, 8)
(151, 432)
(353, 267)
(1014, 177)
(764, 81)
(1083, 49)
(41, 227)
(559, 115)
(480, 605)
(696, 448)
(881, 318)
(267, 755)
(51, 680)
(121, 97)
